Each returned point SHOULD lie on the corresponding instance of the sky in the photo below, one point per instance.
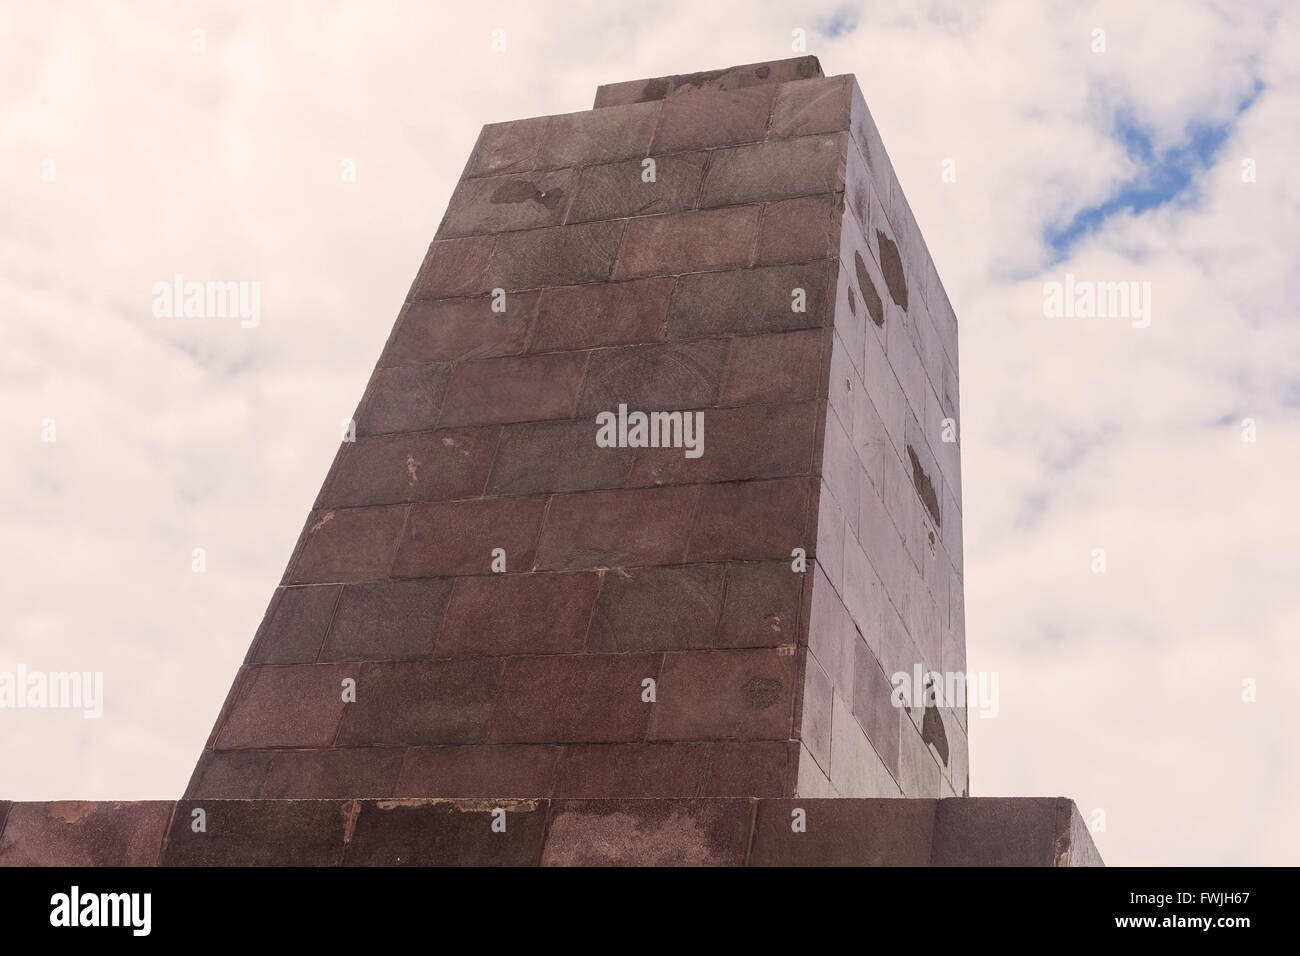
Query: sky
(133, 148)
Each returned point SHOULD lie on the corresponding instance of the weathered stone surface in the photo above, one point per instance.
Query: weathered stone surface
(297, 705)
(653, 377)
(478, 770)
(454, 267)
(782, 366)
(508, 202)
(323, 774)
(232, 774)
(450, 538)
(559, 255)
(647, 833)
(413, 466)
(383, 620)
(770, 277)
(714, 118)
(295, 625)
(806, 107)
(797, 230)
(83, 833)
(762, 605)
(403, 399)
(725, 695)
(654, 609)
(507, 147)
(419, 703)
(348, 544)
(545, 457)
(503, 614)
(763, 441)
(587, 698)
(598, 136)
(611, 313)
(259, 833)
(1006, 831)
(839, 832)
(446, 330)
(565, 831)
(754, 519)
(445, 833)
(617, 190)
(688, 242)
(748, 301)
(684, 84)
(777, 169)
(616, 528)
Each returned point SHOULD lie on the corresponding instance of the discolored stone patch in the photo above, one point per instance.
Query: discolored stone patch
(870, 297)
(924, 487)
(648, 833)
(892, 266)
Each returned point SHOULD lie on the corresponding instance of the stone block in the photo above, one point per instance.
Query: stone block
(750, 520)
(725, 695)
(79, 833)
(622, 190)
(599, 136)
(448, 538)
(714, 118)
(387, 620)
(508, 202)
(780, 366)
(602, 529)
(648, 833)
(558, 255)
(501, 614)
(684, 242)
(295, 625)
(526, 388)
(867, 832)
(479, 770)
(588, 698)
(411, 466)
(741, 302)
(295, 705)
(420, 703)
(776, 169)
(546, 457)
(607, 313)
(259, 833)
(449, 330)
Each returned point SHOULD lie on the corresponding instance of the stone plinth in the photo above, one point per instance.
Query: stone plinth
(529, 832)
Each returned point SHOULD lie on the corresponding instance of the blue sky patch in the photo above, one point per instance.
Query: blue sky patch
(1161, 177)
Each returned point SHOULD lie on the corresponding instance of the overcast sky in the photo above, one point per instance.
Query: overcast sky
(1123, 690)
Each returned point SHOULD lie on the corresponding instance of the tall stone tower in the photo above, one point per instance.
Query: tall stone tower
(526, 611)
(654, 489)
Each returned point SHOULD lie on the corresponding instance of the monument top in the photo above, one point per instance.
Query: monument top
(732, 78)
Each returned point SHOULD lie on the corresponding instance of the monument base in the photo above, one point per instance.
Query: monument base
(962, 831)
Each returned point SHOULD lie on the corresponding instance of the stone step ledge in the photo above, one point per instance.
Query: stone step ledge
(964, 831)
